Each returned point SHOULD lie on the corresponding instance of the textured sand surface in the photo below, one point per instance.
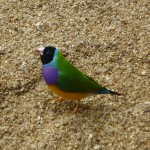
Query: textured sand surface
(107, 40)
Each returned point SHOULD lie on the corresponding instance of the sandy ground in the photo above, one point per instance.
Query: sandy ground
(107, 40)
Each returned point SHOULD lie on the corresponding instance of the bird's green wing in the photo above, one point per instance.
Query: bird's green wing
(70, 79)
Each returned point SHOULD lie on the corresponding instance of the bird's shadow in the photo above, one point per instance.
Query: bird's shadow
(92, 115)
(86, 110)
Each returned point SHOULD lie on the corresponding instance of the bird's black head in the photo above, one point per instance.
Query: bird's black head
(46, 54)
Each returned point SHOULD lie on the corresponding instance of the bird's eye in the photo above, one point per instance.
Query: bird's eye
(48, 52)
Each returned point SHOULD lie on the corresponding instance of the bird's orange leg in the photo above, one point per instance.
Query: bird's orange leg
(76, 109)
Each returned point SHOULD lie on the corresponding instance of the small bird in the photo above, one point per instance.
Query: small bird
(65, 80)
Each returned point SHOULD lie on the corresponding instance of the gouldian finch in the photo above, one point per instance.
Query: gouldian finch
(65, 80)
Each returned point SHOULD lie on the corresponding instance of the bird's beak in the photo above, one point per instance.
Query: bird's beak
(40, 50)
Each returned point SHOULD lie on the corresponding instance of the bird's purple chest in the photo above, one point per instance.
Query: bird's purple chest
(49, 74)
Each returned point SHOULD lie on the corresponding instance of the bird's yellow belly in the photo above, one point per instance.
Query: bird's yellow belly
(66, 95)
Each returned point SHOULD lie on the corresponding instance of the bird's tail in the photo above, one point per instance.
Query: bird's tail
(106, 91)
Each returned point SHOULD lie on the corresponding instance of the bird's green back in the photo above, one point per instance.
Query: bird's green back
(70, 79)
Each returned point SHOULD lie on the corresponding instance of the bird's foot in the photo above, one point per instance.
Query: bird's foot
(76, 109)
(59, 99)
